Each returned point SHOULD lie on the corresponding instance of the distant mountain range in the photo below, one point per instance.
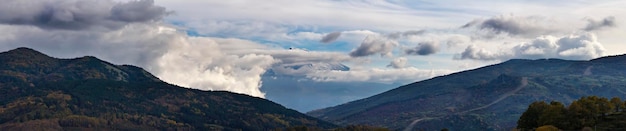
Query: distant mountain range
(288, 85)
(487, 98)
(40, 92)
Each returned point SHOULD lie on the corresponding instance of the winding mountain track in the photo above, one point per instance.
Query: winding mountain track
(520, 87)
(410, 126)
(506, 95)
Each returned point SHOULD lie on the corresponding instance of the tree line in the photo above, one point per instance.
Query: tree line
(584, 112)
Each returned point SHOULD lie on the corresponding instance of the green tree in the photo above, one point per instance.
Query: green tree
(617, 103)
(530, 117)
(578, 116)
(554, 114)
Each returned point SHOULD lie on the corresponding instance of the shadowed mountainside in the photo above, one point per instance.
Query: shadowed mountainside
(487, 98)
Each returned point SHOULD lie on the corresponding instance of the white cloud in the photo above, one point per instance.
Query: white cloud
(541, 47)
(580, 46)
(345, 14)
(195, 62)
(397, 63)
(409, 74)
(199, 63)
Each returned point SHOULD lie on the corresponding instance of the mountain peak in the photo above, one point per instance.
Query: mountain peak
(24, 49)
(83, 93)
(24, 52)
(36, 66)
(611, 59)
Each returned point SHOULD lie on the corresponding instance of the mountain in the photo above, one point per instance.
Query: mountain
(488, 98)
(288, 85)
(40, 92)
(318, 66)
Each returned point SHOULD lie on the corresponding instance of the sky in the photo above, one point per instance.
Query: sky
(255, 47)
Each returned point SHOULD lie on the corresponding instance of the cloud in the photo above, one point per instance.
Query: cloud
(473, 52)
(580, 47)
(600, 24)
(383, 44)
(194, 62)
(583, 46)
(541, 47)
(397, 63)
(456, 40)
(79, 14)
(286, 56)
(131, 37)
(528, 26)
(405, 34)
(303, 68)
(373, 45)
(409, 74)
(381, 15)
(199, 62)
(424, 48)
(330, 37)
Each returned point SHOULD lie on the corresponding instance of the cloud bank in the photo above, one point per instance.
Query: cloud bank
(583, 46)
(133, 35)
(409, 74)
(79, 14)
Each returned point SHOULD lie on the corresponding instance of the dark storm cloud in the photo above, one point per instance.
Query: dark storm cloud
(78, 14)
(600, 24)
(330, 37)
(424, 48)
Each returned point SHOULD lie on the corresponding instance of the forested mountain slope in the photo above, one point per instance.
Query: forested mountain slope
(41, 92)
(487, 98)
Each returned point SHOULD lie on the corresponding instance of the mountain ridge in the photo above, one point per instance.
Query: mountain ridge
(418, 100)
(86, 93)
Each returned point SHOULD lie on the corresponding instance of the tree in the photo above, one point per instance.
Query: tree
(578, 116)
(547, 128)
(605, 106)
(554, 114)
(617, 103)
(530, 117)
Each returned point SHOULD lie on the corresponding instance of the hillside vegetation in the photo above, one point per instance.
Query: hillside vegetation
(40, 92)
(488, 98)
(597, 112)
